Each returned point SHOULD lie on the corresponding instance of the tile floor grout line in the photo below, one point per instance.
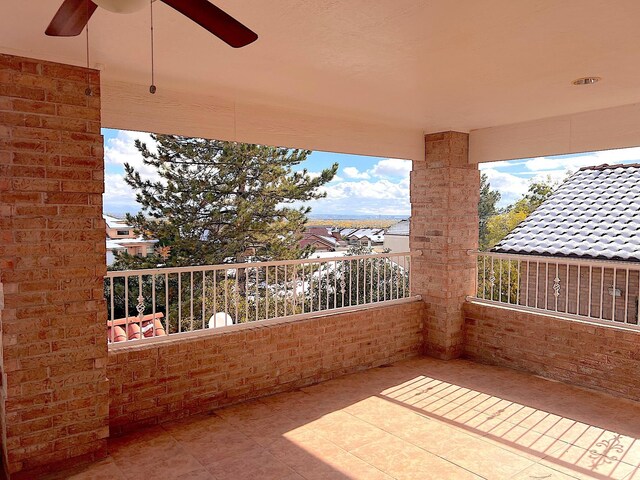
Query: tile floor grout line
(417, 446)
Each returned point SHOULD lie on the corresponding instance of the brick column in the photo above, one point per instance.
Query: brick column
(54, 397)
(444, 224)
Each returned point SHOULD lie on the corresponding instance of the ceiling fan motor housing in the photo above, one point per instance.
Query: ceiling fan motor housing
(122, 6)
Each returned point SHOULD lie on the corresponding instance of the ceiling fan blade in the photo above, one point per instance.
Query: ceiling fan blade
(71, 18)
(216, 21)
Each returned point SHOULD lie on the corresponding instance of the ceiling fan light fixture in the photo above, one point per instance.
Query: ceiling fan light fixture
(122, 6)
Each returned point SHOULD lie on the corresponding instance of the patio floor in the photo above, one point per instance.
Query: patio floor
(418, 419)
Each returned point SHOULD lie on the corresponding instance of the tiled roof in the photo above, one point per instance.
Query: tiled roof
(595, 214)
(400, 228)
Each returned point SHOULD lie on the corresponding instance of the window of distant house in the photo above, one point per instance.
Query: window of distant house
(122, 232)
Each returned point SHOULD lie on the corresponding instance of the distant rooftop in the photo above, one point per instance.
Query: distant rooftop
(401, 228)
(595, 214)
(113, 222)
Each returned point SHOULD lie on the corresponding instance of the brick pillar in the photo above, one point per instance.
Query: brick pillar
(444, 224)
(54, 397)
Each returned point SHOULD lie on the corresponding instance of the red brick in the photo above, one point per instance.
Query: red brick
(51, 257)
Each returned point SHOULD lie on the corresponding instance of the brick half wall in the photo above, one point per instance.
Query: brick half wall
(163, 381)
(581, 353)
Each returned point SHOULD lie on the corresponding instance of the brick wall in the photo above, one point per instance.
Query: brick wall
(604, 358)
(160, 382)
(53, 403)
(445, 190)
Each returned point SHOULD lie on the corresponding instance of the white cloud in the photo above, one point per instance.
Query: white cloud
(510, 186)
(363, 197)
(122, 149)
(353, 172)
(118, 196)
(587, 159)
(391, 167)
(515, 183)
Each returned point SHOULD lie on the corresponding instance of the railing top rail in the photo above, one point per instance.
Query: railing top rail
(228, 266)
(563, 260)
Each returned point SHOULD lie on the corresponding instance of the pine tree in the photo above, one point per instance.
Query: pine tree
(220, 202)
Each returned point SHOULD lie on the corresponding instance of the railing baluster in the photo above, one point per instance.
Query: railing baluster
(556, 288)
(537, 283)
(113, 315)
(166, 303)
(527, 292)
(384, 279)
(226, 295)
(215, 297)
(203, 317)
(518, 266)
(601, 292)
(407, 274)
(500, 280)
(311, 294)
(191, 302)
(126, 307)
(626, 295)
(246, 276)
(267, 293)
(153, 303)
(492, 278)
(257, 299)
(335, 284)
(140, 305)
(371, 282)
(484, 276)
(590, 288)
(179, 302)
(358, 282)
(304, 291)
(546, 285)
(327, 282)
(566, 293)
(613, 296)
(286, 291)
(236, 295)
(578, 292)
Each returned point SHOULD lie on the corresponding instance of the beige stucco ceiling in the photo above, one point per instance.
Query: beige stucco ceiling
(414, 64)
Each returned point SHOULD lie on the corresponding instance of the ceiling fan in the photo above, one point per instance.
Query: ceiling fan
(73, 15)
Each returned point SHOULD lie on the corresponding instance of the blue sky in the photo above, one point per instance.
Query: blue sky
(364, 185)
(512, 178)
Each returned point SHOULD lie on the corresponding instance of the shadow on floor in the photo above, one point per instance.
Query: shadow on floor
(417, 419)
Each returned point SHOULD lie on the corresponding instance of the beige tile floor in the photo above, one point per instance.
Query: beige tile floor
(419, 419)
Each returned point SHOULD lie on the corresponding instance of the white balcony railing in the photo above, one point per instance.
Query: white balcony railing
(601, 291)
(165, 301)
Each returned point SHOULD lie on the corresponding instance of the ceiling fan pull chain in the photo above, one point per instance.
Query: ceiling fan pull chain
(152, 87)
(88, 92)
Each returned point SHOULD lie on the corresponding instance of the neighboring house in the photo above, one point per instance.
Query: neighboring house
(594, 215)
(320, 238)
(396, 238)
(362, 236)
(121, 237)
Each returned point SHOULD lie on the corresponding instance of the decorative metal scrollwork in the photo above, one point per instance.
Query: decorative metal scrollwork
(556, 287)
(140, 307)
(343, 286)
(492, 278)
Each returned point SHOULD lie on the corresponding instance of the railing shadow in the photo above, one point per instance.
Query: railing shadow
(318, 431)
